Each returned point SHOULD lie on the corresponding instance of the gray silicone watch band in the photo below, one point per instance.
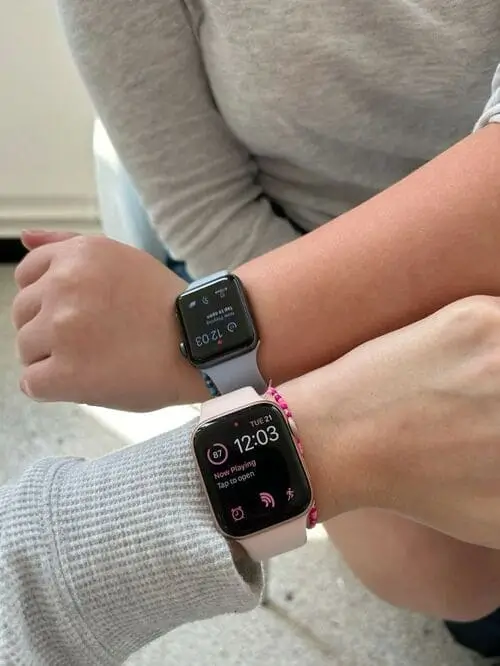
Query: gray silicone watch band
(205, 280)
(237, 372)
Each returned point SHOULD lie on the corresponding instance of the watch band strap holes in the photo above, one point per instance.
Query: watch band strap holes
(214, 391)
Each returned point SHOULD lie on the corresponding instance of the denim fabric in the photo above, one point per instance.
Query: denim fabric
(482, 636)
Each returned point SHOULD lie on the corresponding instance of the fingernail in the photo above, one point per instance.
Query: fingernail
(24, 388)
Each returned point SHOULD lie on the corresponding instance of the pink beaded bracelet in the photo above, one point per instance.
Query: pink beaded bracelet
(312, 517)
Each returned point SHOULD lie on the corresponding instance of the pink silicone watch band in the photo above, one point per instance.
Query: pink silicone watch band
(275, 540)
(229, 402)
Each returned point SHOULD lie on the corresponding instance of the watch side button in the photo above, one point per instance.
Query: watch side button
(183, 349)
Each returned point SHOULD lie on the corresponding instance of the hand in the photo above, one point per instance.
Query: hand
(410, 422)
(96, 325)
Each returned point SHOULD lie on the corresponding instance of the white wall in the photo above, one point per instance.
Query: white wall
(46, 170)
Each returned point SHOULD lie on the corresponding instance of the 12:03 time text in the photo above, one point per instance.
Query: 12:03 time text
(260, 437)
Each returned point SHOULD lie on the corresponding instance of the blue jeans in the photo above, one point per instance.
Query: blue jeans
(134, 220)
(123, 216)
(178, 267)
(135, 204)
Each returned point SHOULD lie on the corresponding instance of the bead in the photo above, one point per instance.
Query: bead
(312, 517)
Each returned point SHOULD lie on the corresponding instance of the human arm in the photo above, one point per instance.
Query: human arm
(97, 558)
(428, 240)
(198, 183)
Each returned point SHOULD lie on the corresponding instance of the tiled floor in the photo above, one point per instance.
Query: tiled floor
(319, 614)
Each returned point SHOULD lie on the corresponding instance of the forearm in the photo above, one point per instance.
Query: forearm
(428, 240)
(98, 558)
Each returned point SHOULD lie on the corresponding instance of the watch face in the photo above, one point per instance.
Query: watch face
(252, 471)
(216, 321)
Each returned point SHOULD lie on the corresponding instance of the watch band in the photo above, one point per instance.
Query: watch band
(231, 375)
(275, 540)
(240, 371)
(208, 278)
(229, 403)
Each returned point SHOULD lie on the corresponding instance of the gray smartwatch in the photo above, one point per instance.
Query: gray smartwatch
(219, 336)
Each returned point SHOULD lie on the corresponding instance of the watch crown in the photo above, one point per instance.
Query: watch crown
(183, 349)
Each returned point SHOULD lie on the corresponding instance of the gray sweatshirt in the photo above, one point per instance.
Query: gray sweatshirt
(220, 107)
(98, 558)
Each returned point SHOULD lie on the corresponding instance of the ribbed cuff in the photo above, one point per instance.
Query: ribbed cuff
(138, 552)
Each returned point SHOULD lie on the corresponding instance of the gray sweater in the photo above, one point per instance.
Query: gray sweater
(98, 558)
(220, 107)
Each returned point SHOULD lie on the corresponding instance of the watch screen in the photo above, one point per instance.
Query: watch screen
(216, 320)
(252, 470)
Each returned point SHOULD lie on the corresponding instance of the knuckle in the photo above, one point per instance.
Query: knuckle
(64, 317)
(64, 320)
(64, 275)
(21, 352)
(74, 268)
(81, 247)
(476, 316)
(23, 346)
(16, 309)
(23, 268)
(18, 273)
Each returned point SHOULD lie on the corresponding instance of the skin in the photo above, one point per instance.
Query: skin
(425, 242)
(437, 239)
(367, 445)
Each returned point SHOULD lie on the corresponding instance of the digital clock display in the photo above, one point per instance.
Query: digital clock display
(252, 470)
(216, 321)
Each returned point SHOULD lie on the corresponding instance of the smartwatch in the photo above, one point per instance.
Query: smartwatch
(219, 336)
(253, 474)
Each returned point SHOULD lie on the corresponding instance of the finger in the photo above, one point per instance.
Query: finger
(43, 381)
(32, 267)
(26, 305)
(34, 379)
(32, 239)
(33, 343)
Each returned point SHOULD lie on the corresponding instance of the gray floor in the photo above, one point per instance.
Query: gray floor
(319, 614)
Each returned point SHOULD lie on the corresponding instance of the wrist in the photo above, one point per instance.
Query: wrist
(176, 381)
(191, 386)
(172, 381)
(340, 443)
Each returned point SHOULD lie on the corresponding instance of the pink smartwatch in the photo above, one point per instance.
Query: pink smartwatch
(253, 473)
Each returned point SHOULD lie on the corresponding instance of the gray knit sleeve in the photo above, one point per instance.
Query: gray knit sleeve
(491, 113)
(142, 66)
(98, 558)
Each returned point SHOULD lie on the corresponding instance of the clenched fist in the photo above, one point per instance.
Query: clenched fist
(96, 325)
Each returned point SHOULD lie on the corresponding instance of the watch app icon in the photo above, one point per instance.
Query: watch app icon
(237, 513)
(217, 454)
